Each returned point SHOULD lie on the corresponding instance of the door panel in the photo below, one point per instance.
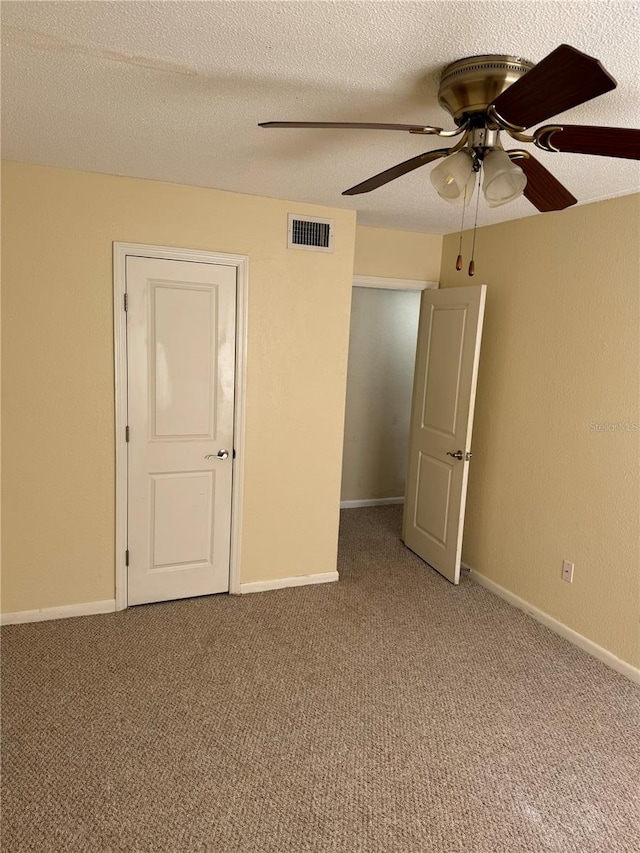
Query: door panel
(432, 504)
(442, 385)
(181, 362)
(442, 415)
(181, 509)
(182, 341)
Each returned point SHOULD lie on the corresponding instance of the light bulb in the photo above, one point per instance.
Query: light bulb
(503, 180)
(454, 178)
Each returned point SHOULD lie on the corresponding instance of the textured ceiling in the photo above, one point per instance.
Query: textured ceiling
(173, 91)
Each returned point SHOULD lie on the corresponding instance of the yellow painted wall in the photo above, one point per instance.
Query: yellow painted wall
(397, 254)
(556, 461)
(58, 227)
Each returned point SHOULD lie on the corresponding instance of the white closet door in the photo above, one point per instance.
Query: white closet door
(181, 364)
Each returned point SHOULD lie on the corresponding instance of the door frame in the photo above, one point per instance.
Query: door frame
(241, 262)
(384, 283)
(376, 282)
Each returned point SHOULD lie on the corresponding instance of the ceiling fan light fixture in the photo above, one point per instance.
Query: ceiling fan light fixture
(494, 93)
(454, 179)
(503, 180)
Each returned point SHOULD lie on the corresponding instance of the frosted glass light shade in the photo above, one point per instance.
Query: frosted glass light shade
(452, 176)
(503, 180)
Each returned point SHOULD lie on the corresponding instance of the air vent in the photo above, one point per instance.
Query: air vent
(308, 232)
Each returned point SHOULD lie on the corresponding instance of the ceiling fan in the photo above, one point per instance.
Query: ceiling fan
(490, 94)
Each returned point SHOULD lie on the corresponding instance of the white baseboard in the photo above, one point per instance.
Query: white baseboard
(281, 583)
(67, 611)
(370, 502)
(621, 666)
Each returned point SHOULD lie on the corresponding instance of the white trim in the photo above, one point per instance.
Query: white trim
(121, 417)
(621, 666)
(281, 583)
(370, 502)
(241, 263)
(66, 611)
(239, 421)
(383, 283)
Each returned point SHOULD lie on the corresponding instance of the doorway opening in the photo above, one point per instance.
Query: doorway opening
(423, 449)
(382, 351)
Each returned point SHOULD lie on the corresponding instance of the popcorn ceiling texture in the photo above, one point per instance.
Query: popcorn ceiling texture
(389, 713)
(174, 91)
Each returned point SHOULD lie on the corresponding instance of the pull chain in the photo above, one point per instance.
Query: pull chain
(464, 207)
(472, 264)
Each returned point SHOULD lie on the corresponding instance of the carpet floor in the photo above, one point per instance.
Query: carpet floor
(389, 712)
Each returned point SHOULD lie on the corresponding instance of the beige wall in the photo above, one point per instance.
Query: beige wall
(58, 229)
(382, 354)
(397, 254)
(560, 355)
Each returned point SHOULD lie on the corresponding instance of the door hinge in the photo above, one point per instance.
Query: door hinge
(233, 453)
(126, 302)
(126, 433)
(126, 557)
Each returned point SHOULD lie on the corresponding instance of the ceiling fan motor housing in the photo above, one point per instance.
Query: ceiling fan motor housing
(469, 86)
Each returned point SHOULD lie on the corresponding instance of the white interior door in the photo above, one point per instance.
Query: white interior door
(444, 391)
(181, 364)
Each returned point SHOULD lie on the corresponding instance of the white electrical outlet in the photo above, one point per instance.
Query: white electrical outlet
(567, 571)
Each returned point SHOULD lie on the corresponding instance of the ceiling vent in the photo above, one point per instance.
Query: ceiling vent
(310, 232)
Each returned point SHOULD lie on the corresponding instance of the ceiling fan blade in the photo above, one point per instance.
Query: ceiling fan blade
(543, 190)
(563, 79)
(605, 141)
(345, 125)
(396, 171)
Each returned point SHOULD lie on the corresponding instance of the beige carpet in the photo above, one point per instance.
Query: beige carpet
(391, 712)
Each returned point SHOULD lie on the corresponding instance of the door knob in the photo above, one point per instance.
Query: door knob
(221, 454)
(457, 455)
